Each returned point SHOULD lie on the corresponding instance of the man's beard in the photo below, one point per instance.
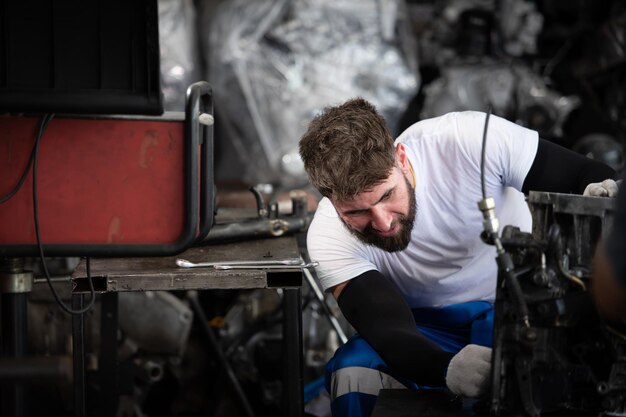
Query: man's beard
(401, 239)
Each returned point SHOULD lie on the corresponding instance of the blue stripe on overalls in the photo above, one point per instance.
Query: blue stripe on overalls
(451, 327)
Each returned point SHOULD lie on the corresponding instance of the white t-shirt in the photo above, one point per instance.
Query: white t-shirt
(445, 262)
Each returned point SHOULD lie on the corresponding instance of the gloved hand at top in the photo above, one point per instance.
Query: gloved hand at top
(606, 188)
(469, 371)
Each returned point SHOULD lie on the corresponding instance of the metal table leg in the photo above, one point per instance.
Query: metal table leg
(293, 394)
(13, 346)
(15, 284)
(78, 345)
(108, 367)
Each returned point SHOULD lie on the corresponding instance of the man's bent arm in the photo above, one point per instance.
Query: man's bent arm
(560, 170)
(377, 311)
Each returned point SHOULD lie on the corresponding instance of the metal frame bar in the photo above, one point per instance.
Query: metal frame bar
(78, 345)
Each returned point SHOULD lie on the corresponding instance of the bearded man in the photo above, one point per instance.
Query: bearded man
(397, 240)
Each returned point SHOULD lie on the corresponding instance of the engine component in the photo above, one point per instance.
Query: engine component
(514, 92)
(520, 24)
(541, 108)
(566, 358)
(581, 220)
(470, 87)
(157, 322)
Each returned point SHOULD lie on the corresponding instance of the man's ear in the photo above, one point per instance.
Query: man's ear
(402, 158)
(404, 163)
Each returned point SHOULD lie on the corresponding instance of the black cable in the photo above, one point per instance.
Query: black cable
(482, 154)
(19, 184)
(503, 258)
(42, 127)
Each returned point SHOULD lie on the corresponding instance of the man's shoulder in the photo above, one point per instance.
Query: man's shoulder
(325, 219)
(325, 210)
(465, 115)
(441, 127)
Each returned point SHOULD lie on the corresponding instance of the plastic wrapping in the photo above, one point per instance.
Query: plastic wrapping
(179, 51)
(513, 91)
(275, 64)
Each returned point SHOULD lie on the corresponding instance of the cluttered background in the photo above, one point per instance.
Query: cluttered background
(555, 66)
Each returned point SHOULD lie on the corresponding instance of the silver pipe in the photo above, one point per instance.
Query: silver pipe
(320, 297)
(257, 228)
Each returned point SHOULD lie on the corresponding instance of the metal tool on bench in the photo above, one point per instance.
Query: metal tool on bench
(289, 263)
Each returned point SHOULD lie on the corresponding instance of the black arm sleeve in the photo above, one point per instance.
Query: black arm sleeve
(560, 170)
(377, 311)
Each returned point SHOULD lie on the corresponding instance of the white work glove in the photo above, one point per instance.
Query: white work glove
(606, 188)
(469, 371)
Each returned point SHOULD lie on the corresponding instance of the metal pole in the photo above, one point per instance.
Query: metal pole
(15, 284)
(108, 369)
(13, 346)
(293, 387)
(78, 345)
(320, 298)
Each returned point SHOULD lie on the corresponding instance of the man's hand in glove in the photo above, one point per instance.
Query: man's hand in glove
(469, 372)
(606, 188)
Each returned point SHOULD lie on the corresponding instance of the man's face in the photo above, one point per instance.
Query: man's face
(384, 216)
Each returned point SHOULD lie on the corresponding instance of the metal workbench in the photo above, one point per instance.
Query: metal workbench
(112, 275)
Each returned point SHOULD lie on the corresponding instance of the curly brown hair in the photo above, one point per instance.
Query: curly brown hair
(347, 149)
